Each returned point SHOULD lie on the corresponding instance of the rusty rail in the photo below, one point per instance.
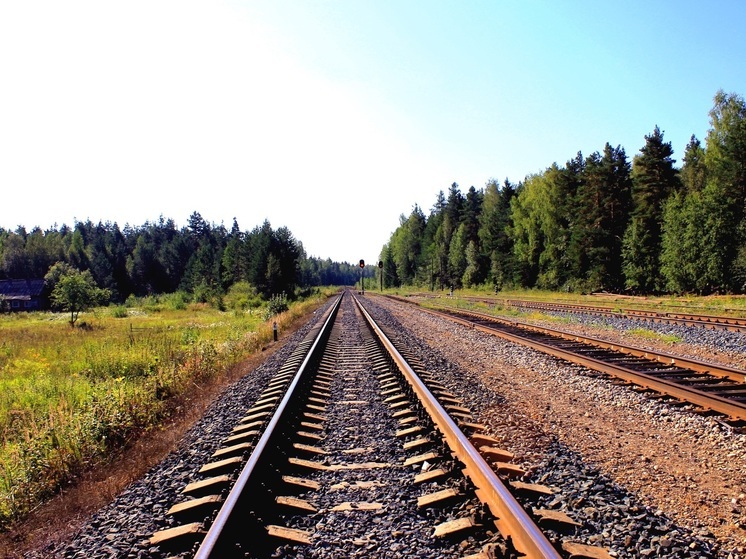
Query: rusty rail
(211, 539)
(512, 520)
(688, 319)
(725, 406)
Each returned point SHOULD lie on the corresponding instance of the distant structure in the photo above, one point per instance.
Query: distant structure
(22, 295)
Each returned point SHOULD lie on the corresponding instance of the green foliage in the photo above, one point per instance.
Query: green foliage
(704, 229)
(202, 260)
(594, 223)
(602, 212)
(654, 179)
(598, 223)
(496, 244)
(471, 273)
(242, 296)
(178, 301)
(277, 304)
(119, 311)
(210, 294)
(457, 256)
(694, 171)
(406, 245)
(76, 291)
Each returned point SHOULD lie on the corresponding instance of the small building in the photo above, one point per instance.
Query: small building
(22, 295)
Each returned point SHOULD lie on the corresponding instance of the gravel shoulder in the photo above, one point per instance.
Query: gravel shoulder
(688, 467)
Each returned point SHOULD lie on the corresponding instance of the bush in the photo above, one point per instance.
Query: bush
(242, 296)
(119, 311)
(177, 301)
(277, 304)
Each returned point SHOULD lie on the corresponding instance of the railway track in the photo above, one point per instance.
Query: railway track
(353, 444)
(733, 324)
(711, 387)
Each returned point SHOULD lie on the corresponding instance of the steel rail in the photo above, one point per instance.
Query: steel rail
(207, 547)
(706, 321)
(713, 402)
(512, 520)
(697, 365)
(724, 371)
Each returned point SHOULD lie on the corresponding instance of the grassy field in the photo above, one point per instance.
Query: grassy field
(70, 397)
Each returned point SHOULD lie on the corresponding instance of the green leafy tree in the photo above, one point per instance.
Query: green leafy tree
(14, 260)
(75, 291)
(406, 244)
(470, 214)
(438, 248)
(143, 266)
(725, 158)
(540, 228)
(428, 265)
(76, 253)
(705, 229)
(679, 252)
(256, 252)
(472, 272)
(43, 250)
(288, 252)
(526, 233)
(457, 256)
(693, 172)
(452, 213)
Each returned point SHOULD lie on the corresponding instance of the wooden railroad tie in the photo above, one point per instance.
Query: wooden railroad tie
(289, 534)
(451, 527)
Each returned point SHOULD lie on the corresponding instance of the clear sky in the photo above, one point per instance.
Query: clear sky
(333, 118)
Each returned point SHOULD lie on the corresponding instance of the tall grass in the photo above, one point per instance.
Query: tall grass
(70, 397)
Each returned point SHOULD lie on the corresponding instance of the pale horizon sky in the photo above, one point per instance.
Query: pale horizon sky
(332, 118)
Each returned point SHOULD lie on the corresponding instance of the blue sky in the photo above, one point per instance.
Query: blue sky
(332, 118)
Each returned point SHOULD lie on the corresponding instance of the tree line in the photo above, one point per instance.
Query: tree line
(201, 258)
(600, 222)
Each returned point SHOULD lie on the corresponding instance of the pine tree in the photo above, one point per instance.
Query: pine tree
(602, 206)
(693, 172)
(654, 179)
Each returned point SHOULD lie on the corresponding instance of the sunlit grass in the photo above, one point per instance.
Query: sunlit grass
(71, 396)
(656, 336)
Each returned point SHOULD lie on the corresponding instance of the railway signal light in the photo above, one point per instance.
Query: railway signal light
(362, 277)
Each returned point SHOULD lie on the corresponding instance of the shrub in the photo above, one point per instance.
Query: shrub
(277, 304)
(242, 296)
(177, 301)
(119, 311)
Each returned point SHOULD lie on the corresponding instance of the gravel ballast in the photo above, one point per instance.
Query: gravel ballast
(681, 473)
(644, 478)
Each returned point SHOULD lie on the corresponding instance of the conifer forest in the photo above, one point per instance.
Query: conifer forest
(599, 222)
